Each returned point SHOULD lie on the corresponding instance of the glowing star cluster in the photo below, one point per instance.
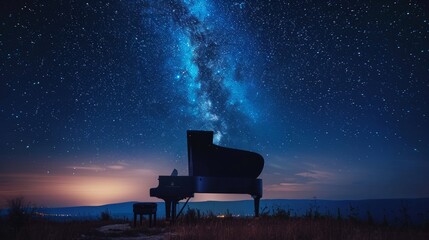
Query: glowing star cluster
(207, 64)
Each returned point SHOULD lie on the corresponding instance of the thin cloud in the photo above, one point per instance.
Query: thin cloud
(317, 175)
(116, 167)
(87, 168)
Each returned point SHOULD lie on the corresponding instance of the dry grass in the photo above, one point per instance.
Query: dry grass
(292, 228)
(39, 228)
(22, 223)
(44, 229)
(265, 228)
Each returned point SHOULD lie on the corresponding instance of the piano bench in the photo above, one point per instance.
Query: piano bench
(147, 208)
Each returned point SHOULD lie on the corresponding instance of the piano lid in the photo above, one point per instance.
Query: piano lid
(210, 160)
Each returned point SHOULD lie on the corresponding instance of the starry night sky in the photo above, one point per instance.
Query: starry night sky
(96, 96)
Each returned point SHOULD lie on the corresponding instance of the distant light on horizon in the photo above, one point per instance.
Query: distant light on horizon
(98, 190)
(89, 187)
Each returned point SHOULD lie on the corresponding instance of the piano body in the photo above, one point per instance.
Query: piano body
(212, 169)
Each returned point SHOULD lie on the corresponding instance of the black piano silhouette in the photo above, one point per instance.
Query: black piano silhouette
(212, 169)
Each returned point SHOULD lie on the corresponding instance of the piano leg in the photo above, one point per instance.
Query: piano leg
(256, 198)
(174, 204)
(170, 210)
(167, 209)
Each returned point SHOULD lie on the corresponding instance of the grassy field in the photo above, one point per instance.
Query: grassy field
(216, 228)
(293, 228)
(22, 223)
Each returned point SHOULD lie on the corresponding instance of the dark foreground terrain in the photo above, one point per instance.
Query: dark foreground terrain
(302, 228)
(227, 227)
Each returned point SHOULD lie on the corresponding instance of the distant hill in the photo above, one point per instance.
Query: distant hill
(395, 211)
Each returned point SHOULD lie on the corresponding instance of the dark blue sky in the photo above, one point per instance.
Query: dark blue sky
(99, 94)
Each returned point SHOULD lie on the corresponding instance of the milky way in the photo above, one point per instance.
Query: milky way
(210, 63)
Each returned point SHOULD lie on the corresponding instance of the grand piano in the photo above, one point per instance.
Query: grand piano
(212, 169)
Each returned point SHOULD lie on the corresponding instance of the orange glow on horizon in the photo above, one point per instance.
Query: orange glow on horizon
(45, 190)
(99, 190)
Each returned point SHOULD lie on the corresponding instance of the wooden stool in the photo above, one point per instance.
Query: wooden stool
(145, 208)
